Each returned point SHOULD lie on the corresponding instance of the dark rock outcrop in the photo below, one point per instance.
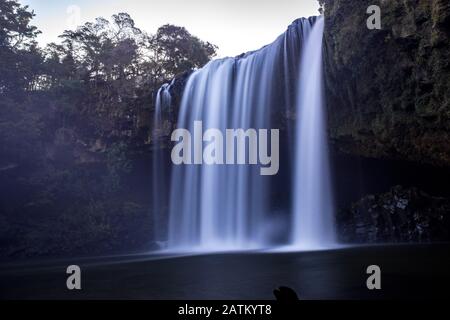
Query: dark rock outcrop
(400, 215)
(388, 90)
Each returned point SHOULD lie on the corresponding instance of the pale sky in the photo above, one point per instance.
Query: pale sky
(236, 26)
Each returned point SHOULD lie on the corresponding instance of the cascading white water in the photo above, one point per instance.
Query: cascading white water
(312, 208)
(221, 207)
(159, 171)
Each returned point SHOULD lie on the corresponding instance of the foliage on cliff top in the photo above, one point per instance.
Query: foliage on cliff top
(74, 119)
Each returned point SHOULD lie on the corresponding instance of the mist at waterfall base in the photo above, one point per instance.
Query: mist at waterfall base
(212, 208)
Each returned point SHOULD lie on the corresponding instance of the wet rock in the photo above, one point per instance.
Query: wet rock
(399, 215)
(388, 90)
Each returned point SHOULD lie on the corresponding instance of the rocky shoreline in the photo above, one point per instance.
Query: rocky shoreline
(399, 215)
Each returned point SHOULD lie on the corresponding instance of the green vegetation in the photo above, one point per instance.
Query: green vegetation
(74, 124)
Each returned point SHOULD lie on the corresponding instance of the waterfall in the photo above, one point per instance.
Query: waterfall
(221, 207)
(159, 170)
(228, 207)
(312, 208)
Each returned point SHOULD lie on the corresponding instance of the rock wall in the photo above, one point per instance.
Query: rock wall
(399, 215)
(388, 90)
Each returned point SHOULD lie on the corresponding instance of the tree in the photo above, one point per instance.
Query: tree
(68, 128)
(19, 55)
(15, 29)
(176, 50)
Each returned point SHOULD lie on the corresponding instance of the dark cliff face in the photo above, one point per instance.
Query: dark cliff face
(399, 215)
(388, 90)
(388, 98)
